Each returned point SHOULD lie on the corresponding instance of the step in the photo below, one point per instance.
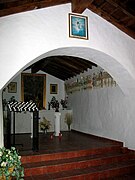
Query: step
(130, 176)
(70, 154)
(92, 173)
(74, 163)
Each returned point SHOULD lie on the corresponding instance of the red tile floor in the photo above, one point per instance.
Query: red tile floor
(70, 141)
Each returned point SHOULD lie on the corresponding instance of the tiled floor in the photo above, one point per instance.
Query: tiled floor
(70, 141)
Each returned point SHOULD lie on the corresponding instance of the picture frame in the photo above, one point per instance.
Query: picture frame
(78, 26)
(12, 87)
(33, 88)
(53, 88)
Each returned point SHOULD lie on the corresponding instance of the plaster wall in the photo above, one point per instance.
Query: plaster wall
(24, 121)
(104, 112)
(27, 37)
(49, 80)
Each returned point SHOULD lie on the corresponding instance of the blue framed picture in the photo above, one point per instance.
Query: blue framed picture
(78, 26)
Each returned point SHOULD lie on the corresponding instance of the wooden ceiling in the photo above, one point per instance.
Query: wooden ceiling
(120, 13)
(62, 67)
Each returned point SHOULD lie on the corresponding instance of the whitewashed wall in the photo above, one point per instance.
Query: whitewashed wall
(24, 121)
(27, 37)
(49, 80)
(104, 112)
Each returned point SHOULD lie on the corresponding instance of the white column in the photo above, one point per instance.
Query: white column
(57, 123)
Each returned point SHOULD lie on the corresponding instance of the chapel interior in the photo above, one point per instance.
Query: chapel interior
(61, 111)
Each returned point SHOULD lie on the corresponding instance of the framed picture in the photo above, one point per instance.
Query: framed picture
(12, 87)
(78, 26)
(33, 88)
(53, 88)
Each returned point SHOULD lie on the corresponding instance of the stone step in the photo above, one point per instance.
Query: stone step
(42, 167)
(96, 163)
(69, 154)
(104, 171)
(130, 176)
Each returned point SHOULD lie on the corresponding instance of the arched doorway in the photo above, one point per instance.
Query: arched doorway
(103, 60)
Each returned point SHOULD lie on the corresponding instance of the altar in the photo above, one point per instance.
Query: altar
(24, 121)
(51, 116)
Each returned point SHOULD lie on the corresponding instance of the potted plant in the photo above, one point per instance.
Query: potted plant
(68, 119)
(45, 125)
(10, 164)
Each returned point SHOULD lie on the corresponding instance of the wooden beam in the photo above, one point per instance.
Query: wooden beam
(22, 6)
(68, 71)
(80, 65)
(52, 71)
(120, 7)
(87, 63)
(68, 64)
(112, 20)
(130, 23)
(74, 61)
(78, 6)
(38, 65)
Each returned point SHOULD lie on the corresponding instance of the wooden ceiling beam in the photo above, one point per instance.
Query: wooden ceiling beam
(54, 72)
(73, 61)
(86, 62)
(37, 66)
(35, 69)
(82, 64)
(112, 20)
(68, 64)
(78, 6)
(59, 70)
(120, 7)
(22, 6)
(130, 23)
(63, 68)
(59, 61)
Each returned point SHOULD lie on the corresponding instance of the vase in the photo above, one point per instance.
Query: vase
(45, 131)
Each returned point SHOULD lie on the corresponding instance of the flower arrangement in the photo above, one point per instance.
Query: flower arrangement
(68, 119)
(64, 103)
(45, 125)
(10, 164)
(55, 104)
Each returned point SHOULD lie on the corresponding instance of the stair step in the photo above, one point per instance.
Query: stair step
(96, 172)
(70, 154)
(73, 163)
(130, 176)
(96, 163)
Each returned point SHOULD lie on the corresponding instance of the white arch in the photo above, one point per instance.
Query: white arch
(105, 61)
(25, 36)
(112, 66)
